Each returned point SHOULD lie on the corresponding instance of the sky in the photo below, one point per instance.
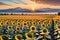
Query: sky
(30, 4)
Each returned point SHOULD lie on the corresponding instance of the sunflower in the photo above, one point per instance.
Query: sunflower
(1, 38)
(17, 29)
(55, 21)
(18, 24)
(44, 31)
(7, 22)
(24, 24)
(33, 28)
(39, 23)
(9, 27)
(1, 23)
(33, 22)
(29, 22)
(13, 22)
(29, 35)
(4, 37)
(19, 37)
(57, 27)
(48, 25)
(43, 25)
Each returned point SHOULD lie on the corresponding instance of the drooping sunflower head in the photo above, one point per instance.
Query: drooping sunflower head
(44, 31)
(18, 37)
(57, 27)
(29, 35)
(33, 28)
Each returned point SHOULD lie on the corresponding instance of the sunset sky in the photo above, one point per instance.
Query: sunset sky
(30, 4)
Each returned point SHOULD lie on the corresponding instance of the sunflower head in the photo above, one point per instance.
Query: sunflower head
(7, 22)
(55, 21)
(1, 38)
(13, 22)
(17, 29)
(4, 37)
(43, 25)
(33, 28)
(1, 23)
(25, 24)
(39, 23)
(19, 37)
(44, 31)
(33, 22)
(9, 27)
(57, 27)
(29, 35)
(18, 23)
(48, 25)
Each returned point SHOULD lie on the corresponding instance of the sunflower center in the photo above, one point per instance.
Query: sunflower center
(13, 23)
(59, 27)
(48, 24)
(33, 23)
(33, 28)
(44, 30)
(39, 23)
(43, 25)
(18, 23)
(7, 22)
(5, 38)
(18, 37)
(56, 21)
(9, 27)
(17, 28)
(24, 23)
(29, 35)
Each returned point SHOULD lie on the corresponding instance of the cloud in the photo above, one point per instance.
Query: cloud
(1, 3)
(16, 2)
(49, 2)
(20, 3)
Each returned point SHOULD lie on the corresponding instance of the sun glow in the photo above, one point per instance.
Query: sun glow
(33, 8)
